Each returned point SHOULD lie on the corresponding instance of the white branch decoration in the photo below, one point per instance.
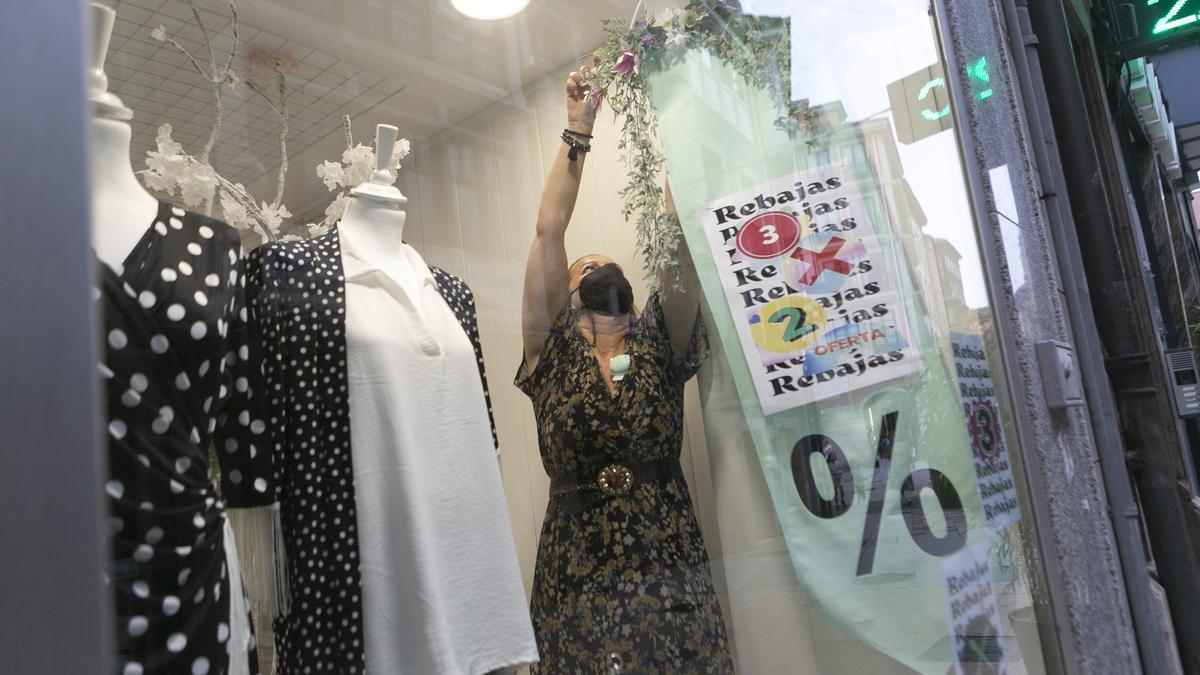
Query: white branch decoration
(170, 168)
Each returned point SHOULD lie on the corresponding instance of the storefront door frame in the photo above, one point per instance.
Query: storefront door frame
(53, 604)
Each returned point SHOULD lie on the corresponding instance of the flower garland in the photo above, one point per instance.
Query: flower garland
(757, 48)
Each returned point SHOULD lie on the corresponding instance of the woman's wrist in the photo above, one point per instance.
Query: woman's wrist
(579, 127)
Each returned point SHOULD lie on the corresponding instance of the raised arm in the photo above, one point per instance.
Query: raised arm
(681, 304)
(546, 270)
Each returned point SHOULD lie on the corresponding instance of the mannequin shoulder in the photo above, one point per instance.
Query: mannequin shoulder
(205, 228)
(319, 253)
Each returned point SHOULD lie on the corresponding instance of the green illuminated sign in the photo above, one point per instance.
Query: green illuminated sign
(924, 93)
(921, 102)
(1149, 26)
(980, 80)
(1176, 17)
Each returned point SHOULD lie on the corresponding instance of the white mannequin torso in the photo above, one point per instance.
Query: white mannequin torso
(373, 229)
(122, 209)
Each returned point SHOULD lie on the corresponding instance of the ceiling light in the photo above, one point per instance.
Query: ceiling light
(489, 9)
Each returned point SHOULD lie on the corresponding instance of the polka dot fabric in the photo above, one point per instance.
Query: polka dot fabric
(297, 290)
(180, 376)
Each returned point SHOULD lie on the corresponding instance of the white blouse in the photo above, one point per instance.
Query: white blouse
(442, 590)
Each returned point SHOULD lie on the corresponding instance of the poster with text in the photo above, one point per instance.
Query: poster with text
(971, 615)
(981, 409)
(815, 305)
(830, 381)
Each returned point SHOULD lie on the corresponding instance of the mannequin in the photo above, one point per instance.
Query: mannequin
(399, 548)
(373, 224)
(121, 207)
(165, 321)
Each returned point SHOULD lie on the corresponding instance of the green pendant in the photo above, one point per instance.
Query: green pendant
(618, 366)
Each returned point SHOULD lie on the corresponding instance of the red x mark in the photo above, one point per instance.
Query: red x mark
(819, 262)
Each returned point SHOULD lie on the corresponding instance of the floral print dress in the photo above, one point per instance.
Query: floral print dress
(622, 583)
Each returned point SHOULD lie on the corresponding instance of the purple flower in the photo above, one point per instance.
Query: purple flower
(626, 65)
(595, 97)
(650, 41)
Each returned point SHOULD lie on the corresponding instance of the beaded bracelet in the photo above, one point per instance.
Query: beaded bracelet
(571, 138)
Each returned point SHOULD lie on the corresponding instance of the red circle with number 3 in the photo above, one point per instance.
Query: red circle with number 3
(768, 235)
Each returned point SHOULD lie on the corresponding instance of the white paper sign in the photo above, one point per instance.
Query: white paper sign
(971, 615)
(816, 308)
(993, 471)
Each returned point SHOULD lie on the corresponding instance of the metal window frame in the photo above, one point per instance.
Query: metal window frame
(1058, 654)
(54, 610)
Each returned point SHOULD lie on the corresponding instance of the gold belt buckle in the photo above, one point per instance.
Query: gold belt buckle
(615, 480)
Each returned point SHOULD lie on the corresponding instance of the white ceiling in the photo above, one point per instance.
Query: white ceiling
(418, 64)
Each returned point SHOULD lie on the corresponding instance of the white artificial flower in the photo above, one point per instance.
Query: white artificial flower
(169, 168)
(291, 237)
(159, 34)
(332, 174)
(333, 212)
(164, 141)
(198, 184)
(400, 151)
(234, 212)
(360, 164)
(315, 230)
(273, 215)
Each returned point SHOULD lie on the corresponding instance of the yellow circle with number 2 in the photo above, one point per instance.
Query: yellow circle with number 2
(788, 325)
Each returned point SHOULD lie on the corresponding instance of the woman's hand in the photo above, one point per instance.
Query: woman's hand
(581, 104)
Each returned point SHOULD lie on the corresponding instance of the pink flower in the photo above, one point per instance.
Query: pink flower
(626, 65)
(595, 97)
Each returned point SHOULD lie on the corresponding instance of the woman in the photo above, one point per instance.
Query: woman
(622, 582)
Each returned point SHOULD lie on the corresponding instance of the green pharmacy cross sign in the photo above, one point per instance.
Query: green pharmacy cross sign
(921, 102)
(1150, 26)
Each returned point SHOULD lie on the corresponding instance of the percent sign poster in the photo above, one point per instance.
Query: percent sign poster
(814, 302)
(895, 492)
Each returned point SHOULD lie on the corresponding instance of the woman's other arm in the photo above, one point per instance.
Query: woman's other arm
(682, 303)
(546, 270)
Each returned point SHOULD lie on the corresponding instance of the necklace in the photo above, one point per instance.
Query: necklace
(618, 365)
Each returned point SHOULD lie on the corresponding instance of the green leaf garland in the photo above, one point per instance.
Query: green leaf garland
(757, 48)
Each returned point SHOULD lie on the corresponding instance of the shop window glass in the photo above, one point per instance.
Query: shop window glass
(820, 474)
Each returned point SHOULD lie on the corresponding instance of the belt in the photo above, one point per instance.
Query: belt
(615, 480)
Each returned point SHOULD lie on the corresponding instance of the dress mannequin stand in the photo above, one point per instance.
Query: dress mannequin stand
(431, 515)
(121, 207)
(372, 227)
(123, 212)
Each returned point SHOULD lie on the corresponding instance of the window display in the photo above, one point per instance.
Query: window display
(757, 423)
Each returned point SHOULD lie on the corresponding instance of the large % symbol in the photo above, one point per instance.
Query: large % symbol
(911, 507)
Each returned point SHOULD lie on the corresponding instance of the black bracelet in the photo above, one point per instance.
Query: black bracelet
(576, 146)
(577, 133)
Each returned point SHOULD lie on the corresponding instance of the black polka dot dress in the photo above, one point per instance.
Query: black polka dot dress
(180, 376)
(298, 290)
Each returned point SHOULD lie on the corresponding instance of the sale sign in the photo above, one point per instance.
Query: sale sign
(811, 295)
(981, 409)
(832, 409)
(971, 615)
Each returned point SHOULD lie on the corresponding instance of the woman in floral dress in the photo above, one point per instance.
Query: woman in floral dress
(622, 582)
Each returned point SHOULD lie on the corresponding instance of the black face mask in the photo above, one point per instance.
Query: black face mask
(605, 290)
